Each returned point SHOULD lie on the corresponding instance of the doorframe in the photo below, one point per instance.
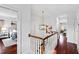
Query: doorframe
(19, 25)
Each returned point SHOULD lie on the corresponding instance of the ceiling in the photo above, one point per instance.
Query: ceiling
(53, 9)
(5, 12)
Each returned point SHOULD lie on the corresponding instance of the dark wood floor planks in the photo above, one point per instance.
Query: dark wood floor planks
(7, 50)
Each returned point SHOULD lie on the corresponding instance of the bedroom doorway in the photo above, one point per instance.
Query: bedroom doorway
(8, 30)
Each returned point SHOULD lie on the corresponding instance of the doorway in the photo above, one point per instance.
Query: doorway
(8, 30)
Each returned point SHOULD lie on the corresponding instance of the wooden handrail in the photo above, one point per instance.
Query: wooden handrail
(35, 36)
(44, 37)
(50, 35)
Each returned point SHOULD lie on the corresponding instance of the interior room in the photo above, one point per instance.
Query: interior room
(8, 31)
(40, 28)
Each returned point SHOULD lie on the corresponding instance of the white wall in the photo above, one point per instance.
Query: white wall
(72, 17)
(26, 20)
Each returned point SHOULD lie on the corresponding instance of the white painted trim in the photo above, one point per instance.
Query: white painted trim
(19, 29)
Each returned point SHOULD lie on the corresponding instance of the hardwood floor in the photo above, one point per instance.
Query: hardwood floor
(7, 50)
(72, 48)
(60, 49)
(68, 48)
